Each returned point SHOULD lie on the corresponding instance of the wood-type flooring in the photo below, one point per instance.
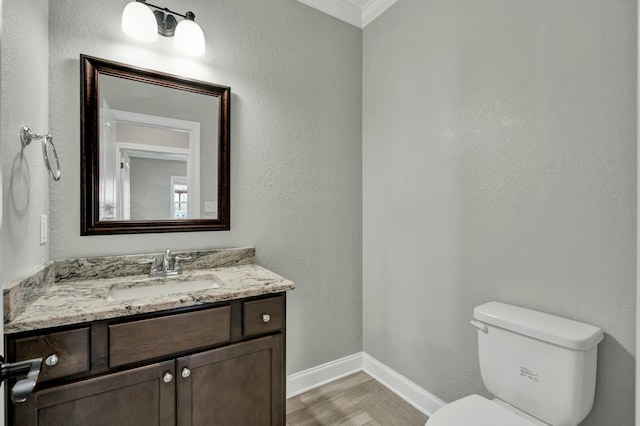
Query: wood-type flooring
(355, 400)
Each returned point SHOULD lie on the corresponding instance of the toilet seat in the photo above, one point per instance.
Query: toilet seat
(476, 410)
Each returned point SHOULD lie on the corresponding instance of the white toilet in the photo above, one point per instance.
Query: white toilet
(541, 369)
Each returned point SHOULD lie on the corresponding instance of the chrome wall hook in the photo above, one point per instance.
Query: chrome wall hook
(27, 135)
(49, 152)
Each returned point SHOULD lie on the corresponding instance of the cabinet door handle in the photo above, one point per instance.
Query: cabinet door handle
(186, 372)
(168, 377)
(51, 360)
(266, 318)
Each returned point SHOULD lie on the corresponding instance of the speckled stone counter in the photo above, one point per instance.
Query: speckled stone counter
(82, 299)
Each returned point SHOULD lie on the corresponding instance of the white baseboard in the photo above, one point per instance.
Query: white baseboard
(422, 400)
(315, 377)
(312, 378)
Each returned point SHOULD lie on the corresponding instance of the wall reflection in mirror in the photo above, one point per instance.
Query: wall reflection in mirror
(160, 163)
(155, 153)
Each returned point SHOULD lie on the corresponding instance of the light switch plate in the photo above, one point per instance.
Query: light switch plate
(210, 207)
(44, 229)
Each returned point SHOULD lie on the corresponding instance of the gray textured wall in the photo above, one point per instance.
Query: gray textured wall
(1, 198)
(295, 76)
(24, 103)
(499, 163)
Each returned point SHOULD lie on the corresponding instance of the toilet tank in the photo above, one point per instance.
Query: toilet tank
(539, 363)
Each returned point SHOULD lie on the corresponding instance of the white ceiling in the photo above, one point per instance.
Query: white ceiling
(356, 12)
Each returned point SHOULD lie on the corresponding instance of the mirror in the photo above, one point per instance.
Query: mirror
(154, 151)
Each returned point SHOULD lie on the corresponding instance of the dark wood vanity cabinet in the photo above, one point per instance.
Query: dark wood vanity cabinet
(240, 384)
(221, 365)
(137, 397)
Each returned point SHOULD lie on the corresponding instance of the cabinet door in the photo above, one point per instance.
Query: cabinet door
(238, 385)
(138, 397)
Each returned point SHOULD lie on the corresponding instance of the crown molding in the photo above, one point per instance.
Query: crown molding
(349, 12)
(340, 9)
(373, 9)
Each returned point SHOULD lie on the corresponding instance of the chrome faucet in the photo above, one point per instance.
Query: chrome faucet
(167, 260)
(167, 270)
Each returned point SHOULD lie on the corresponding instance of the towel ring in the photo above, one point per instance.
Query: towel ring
(49, 152)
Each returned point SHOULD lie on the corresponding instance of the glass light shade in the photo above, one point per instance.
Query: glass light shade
(138, 22)
(189, 38)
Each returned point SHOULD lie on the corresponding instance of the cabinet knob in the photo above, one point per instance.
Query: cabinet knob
(186, 372)
(168, 377)
(51, 360)
(266, 318)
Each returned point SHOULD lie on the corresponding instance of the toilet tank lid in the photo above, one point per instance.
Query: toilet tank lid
(539, 325)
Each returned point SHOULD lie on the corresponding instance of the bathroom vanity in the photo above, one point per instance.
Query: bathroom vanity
(211, 356)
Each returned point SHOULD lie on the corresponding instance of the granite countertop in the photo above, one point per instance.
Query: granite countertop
(85, 300)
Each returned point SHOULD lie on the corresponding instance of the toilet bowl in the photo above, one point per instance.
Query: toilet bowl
(541, 368)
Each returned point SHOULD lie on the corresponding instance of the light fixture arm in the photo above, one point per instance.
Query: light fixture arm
(188, 15)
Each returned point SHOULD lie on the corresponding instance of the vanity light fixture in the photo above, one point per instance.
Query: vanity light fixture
(143, 24)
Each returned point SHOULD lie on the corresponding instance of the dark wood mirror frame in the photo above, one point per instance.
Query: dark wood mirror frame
(90, 223)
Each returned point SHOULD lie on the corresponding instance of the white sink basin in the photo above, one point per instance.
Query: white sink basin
(163, 289)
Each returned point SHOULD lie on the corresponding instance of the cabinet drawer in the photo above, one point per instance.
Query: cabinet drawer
(147, 339)
(263, 316)
(71, 348)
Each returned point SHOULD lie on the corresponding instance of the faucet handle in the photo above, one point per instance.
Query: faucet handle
(176, 265)
(152, 261)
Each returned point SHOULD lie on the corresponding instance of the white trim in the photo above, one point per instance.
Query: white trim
(421, 399)
(144, 150)
(340, 9)
(350, 13)
(373, 9)
(154, 120)
(314, 377)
